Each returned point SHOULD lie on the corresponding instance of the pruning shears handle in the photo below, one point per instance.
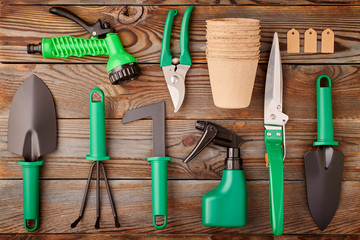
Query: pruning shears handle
(275, 162)
(185, 58)
(165, 56)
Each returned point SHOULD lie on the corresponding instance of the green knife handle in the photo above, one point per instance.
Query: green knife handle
(31, 192)
(324, 113)
(185, 57)
(97, 128)
(165, 56)
(159, 188)
(273, 143)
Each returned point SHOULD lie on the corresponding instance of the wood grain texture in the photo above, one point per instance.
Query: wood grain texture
(125, 236)
(61, 200)
(181, 2)
(141, 28)
(71, 85)
(129, 145)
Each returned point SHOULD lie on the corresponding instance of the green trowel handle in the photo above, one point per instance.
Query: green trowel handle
(185, 57)
(31, 192)
(165, 55)
(324, 112)
(273, 143)
(159, 188)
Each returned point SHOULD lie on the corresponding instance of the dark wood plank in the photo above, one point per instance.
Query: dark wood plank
(60, 202)
(125, 236)
(141, 32)
(71, 85)
(130, 144)
(182, 2)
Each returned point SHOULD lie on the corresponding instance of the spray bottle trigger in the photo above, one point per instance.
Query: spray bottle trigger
(210, 133)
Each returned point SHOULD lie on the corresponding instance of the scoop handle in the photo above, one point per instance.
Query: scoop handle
(31, 192)
(325, 130)
(159, 188)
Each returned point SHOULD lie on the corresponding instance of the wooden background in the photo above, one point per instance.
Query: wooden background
(140, 26)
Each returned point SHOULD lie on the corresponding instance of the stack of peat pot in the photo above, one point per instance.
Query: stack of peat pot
(233, 48)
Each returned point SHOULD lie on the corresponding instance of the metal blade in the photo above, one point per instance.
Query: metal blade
(175, 79)
(177, 95)
(273, 114)
(32, 120)
(157, 113)
(323, 169)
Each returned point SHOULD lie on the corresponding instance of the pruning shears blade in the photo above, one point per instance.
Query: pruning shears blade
(177, 95)
(175, 80)
(273, 114)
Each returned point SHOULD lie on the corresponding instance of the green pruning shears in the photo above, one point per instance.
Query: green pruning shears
(274, 122)
(175, 69)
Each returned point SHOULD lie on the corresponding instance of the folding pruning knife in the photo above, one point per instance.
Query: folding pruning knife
(274, 122)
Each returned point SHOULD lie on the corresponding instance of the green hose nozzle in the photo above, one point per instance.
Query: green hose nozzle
(121, 67)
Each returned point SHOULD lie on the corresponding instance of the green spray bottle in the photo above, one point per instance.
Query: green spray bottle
(121, 67)
(224, 206)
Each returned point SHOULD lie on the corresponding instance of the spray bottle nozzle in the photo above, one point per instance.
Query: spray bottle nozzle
(219, 136)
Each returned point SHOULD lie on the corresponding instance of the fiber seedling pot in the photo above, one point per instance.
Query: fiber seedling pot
(232, 81)
(233, 21)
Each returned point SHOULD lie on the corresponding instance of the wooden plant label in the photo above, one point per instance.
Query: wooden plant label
(327, 41)
(293, 41)
(310, 41)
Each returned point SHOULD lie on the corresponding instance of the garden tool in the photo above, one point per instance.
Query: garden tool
(175, 69)
(274, 122)
(324, 166)
(97, 154)
(224, 206)
(32, 134)
(121, 67)
(158, 161)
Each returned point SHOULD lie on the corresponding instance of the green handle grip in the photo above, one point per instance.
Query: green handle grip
(66, 46)
(165, 55)
(185, 57)
(97, 128)
(159, 188)
(273, 143)
(31, 192)
(225, 206)
(324, 113)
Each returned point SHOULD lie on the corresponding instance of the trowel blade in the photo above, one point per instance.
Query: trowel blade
(32, 120)
(323, 169)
